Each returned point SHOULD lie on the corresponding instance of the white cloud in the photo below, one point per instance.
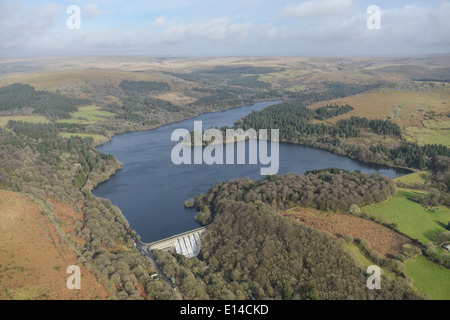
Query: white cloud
(410, 29)
(90, 10)
(219, 29)
(160, 22)
(22, 26)
(311, 9)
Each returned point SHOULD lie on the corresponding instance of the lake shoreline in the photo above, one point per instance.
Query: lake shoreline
(179, 121)
(156, 210)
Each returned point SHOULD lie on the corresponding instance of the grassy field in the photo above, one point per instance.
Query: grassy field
(430, 278)
(410, 194)
(416, 178)
(81, 82)
(33, 261)
(412, 218)
(98, 138)
(418, 108)
(364, 261)
(382, 239)
(34, 119)
(430, 133)
(88, 115)
(79, 76)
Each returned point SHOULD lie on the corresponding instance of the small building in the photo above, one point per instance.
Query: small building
(446, 246)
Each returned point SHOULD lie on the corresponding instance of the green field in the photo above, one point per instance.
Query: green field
(430, 278)
(297, 88)
(364, 261)
(411, 218)
(88, 115)
(410, 193)
(34, 119)
(430, 133)
(98, 138)
(416, 178)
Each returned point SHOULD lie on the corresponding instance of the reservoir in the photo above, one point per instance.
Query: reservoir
(151, 190)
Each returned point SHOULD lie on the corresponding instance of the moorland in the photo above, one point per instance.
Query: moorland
(280, 237)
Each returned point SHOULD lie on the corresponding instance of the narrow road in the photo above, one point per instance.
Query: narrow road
(145, 249)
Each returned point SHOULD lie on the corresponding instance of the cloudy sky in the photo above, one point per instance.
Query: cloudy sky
(224, 28)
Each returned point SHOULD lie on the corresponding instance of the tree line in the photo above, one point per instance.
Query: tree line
(250, 251)
(294, 118)
(330, 90)
(293, 121)
(330, 189)
(19, 96)
(35, 160)
(331, 111)
(143, 87)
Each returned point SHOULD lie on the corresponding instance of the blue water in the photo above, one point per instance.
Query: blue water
(150, 190)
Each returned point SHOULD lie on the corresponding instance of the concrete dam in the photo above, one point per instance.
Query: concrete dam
(188, 243)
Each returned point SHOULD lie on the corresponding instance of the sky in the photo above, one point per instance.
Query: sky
(187, 28)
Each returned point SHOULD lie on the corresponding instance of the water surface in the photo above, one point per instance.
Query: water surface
(150, 190)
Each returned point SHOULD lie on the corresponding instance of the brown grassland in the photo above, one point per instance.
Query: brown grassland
(33, 260)
(421, 110)
(382, 239)
(79, 76)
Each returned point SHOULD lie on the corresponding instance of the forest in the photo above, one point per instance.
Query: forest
(293, 118)
(19, 96)
(330, 90)
(293, 121)
(331, 111)
(331, 189)
(250, 251)
(35, 160)
(143, 87)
